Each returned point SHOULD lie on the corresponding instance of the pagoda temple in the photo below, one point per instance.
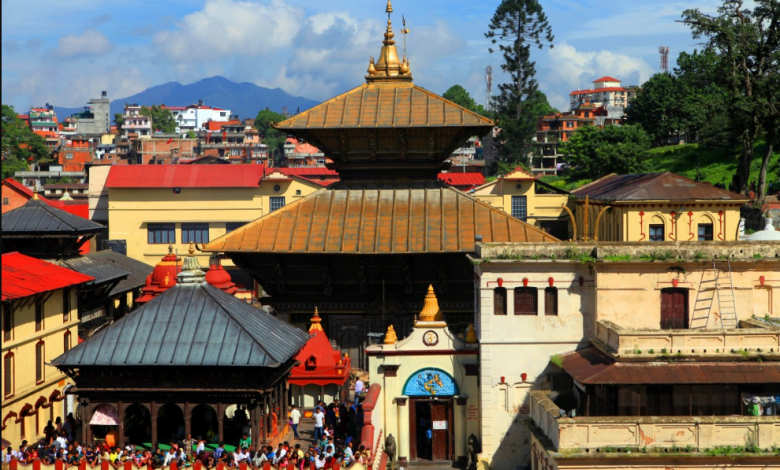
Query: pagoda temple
(320, 370)
(366, 249)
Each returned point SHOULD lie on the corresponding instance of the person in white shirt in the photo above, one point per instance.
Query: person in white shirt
(319, 462)
(201, 446)
(319, 421)
(169, 457)
(280, 453)
(359, 387)
(295, 419)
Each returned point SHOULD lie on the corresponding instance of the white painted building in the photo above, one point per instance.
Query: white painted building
(135, 122)
(192, 117)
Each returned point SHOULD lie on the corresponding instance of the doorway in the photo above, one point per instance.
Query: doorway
(674, 309)
(432, 429)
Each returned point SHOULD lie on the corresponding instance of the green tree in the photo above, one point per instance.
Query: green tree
(273, 138)
(119, 120)
(162, 118)
(593, 152)
(20, 145)
(701, 97)
(657, 108)
(748, 45)
(191, 135)
(518, 25)
(458, 95)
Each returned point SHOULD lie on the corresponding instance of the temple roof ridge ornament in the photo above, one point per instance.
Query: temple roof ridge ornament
(316, 322)
(190, 270)
(390, 67)
(431, 313)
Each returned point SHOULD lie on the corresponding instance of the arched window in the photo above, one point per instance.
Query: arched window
(66, 341)
(311, 363)
(657, 231)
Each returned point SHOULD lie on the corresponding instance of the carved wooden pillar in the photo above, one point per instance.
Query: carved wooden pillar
(86, 416)
(153, 413)
(285, 399)
(187, 409)
(255, 424)
(220, 419)
(120, 416)
(268, 416)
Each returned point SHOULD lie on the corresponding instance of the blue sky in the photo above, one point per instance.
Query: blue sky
(64, 52)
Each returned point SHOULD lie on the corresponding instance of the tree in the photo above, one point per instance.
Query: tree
(273, 138)
(20, 145)
(119, 119)
(593, 152)
(191, 135)
(657, 108)
(748, 44)
(518, 24)
(458, 95)
(162, 119)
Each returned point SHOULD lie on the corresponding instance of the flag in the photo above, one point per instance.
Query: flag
(170, 139)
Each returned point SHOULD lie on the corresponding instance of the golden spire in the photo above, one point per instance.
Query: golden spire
(192, 248)
(430, 311)
(389, 65)
(390, 336)
(36, 197)
(315, 322)
(471, 335)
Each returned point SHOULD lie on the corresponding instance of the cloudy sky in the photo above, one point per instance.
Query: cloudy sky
(64, 52)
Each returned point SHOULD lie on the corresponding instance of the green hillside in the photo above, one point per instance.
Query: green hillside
(715, 166)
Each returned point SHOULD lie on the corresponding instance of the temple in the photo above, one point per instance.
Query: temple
(364, 250)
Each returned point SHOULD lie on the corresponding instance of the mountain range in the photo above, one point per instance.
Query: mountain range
(245, 99)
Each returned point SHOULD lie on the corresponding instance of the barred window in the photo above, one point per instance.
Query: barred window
(277, 202)
(526, 301)
(519, 207)
(551, 301)
(499, 301)
(197, 233)
(39, 357)
(38, 316)
(161, 234)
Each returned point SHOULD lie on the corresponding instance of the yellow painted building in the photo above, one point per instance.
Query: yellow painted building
(40, 322)
(656, 207)
(530, 200)
(154, 206)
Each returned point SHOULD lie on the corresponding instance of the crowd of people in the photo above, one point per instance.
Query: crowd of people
(337, 428)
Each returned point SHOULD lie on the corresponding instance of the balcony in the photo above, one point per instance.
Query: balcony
(650, 433)
(753, 338)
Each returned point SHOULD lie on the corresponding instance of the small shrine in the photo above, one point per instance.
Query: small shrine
(321, 370)
(430, 388)
(162, 278)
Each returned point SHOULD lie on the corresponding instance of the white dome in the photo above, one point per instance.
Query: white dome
(768, 234)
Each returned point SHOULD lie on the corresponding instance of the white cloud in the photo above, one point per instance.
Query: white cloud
(90, 42)
(577, 69)
(228, 28)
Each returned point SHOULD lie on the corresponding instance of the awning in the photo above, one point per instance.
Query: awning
(590, 366)
(104, 415)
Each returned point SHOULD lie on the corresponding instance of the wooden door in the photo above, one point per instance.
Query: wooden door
(442, 429)
(674, 309)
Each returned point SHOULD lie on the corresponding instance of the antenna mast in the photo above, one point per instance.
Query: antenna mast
(664, 51)
(489, 86)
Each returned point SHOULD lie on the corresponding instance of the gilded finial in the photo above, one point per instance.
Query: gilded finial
(390, 336)
(170, 249)
(371, 67)
(315, 322)
(471, 335)
(404, 69)
(389, 8)
(35, 197)
(430, 311)
(191, 251)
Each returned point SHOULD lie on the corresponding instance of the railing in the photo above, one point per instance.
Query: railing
(751, 336)
(697, 433)
(129, 465)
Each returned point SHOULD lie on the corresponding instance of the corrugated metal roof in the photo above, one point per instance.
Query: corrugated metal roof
(462, 179)
(378, 105)
(190, 325)
(394, 218)
(654, 186)
(138, 271)
(24, 276)
(590, 366)
(38, 217)
(100, 270)
(185, 176)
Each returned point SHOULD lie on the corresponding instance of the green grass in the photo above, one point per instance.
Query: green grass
(715, 166)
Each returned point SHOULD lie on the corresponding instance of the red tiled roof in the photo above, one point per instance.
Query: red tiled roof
(19, 187)
(606, 79)
(185, 176)
(597, 90)
(24, 276)
(462, 179)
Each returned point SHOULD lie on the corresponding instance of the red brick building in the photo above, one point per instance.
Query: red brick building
(75, 153)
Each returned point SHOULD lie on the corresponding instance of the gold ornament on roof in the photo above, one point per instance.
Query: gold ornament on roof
(471, 335)
(315, 322)
(371, 67)
(389, 8)
(431, 311)
(191, 250)
(390, 66)
(390, 336)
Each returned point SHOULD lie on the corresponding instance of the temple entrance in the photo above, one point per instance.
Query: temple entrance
(138, 424)
(432, 429)
(170, 423)
(204, 423)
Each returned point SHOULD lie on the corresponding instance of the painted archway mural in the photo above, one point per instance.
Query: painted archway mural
(430, 382)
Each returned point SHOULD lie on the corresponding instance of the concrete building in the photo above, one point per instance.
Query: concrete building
(606, 91)
(299, 154)
(43, 122)
(136, 123)
(76, 154)
(40, 322)
(191, 118)
(233, 141)
(550, 318)
(95, 118)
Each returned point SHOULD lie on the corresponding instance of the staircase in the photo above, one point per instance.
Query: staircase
(715, 288)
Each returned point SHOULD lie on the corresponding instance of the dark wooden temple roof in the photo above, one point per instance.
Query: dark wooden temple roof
(401, 105)
(654, 187)
(190, 325)
(424, 217)
(37, 217)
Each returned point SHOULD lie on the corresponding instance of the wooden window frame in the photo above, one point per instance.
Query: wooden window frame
(193, 232)
(650, 234)
(551, 310)
(66, 340)
(152, 230)
(39, 362)
(527, 290)
(40, 310)
(8, 323)
(11, 373)
(711, 233)
(500, 292)
(65, 305)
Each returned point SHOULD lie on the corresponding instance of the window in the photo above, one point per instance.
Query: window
(277, 202)
(66, 305)
(551, 301)
(705, 232)
(8, 375)
(161, 234)
(198, 233)
(519, 207)
(526, 301)
(6, 201)
(38, 316)
(39, 357)
(66, 341)
(8, 323)
(656, 232)
(499, 301)
(69, 156)
(569, 124)
(230, 226)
